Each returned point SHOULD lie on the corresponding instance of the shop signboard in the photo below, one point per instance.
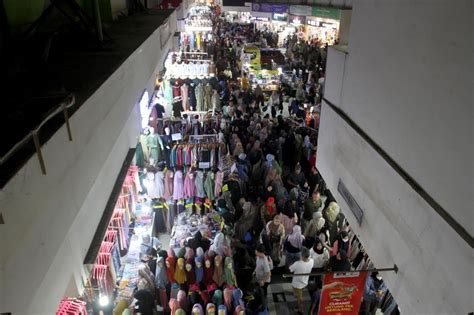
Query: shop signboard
(304, 10)
(327, 13)
(259, 18)
(281, 17)
(297, 20)
(270, 8)
(342, 293)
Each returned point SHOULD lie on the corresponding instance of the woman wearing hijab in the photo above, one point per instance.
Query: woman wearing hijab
(183, 301)
(208, 271)
(218, 276)
(246, 221)
(342, 242)
(268, 210)
(145, 274)
(161, 282)
(276, 234)
(320, 256)
(340, 262)
(293, 245)
(311, 230)
(145, 302)
(197, 310)
(180, 272)
(170, 266)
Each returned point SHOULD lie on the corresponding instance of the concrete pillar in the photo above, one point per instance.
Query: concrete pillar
(344, 27)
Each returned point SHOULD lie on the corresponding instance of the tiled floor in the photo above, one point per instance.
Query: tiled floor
(281, 300)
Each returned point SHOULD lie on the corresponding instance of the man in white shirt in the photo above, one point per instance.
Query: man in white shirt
(300, 282)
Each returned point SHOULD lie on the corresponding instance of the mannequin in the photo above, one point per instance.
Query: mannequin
(155, 147)
(192, 97)
(197, 310)
(208, 271)
(167, 144)
(170, 265)
(199, 269)
(199, 97)
(218, 276)
(180, 273)
(210, 309)
(207, 96)
(190, 273)
(229, 275)
(177, 107)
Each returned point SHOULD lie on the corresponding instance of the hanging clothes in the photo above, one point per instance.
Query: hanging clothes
(139, 156)
(199, 98)
(155, 147)
(216, 102)
(143, 142)
(168, 192)
(189, 187)
(199, 184)
(207, 96)
(160, 184)
(185, 96)
(178, 191)
(209, 185)
(219, 179)
(149, 183)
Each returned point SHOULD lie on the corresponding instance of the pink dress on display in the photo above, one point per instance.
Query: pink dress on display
(178, 191)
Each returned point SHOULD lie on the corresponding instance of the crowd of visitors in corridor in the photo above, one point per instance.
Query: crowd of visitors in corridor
(281, 216)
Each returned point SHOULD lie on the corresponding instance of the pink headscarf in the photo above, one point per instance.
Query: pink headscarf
(182, 300)
(174, 306)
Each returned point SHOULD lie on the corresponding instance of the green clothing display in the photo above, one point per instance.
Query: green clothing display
(139, 156)
(155, 147)
(199, 97)
(209, 185)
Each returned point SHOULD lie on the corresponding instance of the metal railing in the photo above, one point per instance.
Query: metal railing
(34, 134)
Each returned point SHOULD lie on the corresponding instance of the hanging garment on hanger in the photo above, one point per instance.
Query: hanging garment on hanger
(185, 96)
(207, 97)
(199, 183)
(155, 147)
(189, 187)
(219, 179)
(160, 184)
(209, 185)
(178, 192)
(139, 156)
(168, 193)
(199, 98)
(143, 142)
(150, 185)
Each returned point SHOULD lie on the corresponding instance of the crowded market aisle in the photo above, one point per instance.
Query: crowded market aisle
(224, 196)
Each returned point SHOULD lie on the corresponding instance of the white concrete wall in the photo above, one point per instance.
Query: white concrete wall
(50, 220)
(408, 84)
(399, 227)
(335, 66)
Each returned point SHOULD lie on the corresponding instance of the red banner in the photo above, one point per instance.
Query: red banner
(342, 293)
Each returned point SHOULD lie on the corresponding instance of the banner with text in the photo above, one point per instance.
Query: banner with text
(342, 293)
(270, 8)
